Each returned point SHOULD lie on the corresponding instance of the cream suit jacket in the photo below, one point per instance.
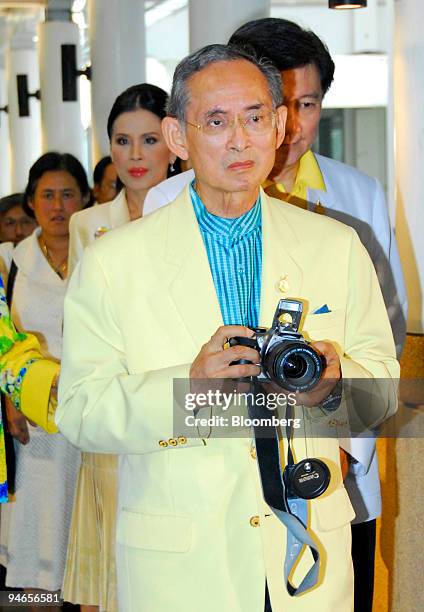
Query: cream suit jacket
(140, 305)
(352, 197)
(88, 223)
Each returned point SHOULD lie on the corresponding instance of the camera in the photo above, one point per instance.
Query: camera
(286, 358)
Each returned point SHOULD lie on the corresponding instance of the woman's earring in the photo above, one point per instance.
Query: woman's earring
(171, 168)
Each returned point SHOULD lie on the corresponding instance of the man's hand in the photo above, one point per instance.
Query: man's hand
(330, 376)
(17, 423)
(213, 361)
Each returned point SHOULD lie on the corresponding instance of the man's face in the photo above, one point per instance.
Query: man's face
(303, 97)
(238, 159)
(15, 225)
(105, 191)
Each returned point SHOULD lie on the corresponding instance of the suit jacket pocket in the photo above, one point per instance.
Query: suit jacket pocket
(328, 326)
(326, 320)
(159, 532)
(333, 511)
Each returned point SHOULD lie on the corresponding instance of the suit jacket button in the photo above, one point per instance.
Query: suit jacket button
(182, 440)
(172, 442)
(254, 521)
(253, 452)
(163, 443)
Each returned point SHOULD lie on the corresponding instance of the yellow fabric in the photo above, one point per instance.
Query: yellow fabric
(308, 176)
(36, 382)
(35, 394)
(90, 575)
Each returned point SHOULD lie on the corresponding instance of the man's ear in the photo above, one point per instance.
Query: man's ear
(174, 136)
(280, 120)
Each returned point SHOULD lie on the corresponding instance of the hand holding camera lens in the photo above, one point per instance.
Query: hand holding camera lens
(329, 378)
(288, 361)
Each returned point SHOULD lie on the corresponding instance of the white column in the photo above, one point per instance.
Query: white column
(213, 21)
(409, 125)
(61, 125)
(117, 42)
(25, 132)
(5, 183)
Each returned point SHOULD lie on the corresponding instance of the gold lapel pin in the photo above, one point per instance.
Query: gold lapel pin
(100, 231)
(283, 284)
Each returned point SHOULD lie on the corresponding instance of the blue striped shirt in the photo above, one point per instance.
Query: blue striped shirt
(234, 249)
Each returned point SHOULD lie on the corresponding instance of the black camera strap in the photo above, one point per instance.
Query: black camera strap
(293, 513)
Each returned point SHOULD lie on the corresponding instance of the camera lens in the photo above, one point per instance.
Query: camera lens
(294, 366)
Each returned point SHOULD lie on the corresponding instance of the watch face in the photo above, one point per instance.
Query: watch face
(309, 478)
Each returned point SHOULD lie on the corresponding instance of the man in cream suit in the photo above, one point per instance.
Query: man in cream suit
(339, 191)
(158, 299)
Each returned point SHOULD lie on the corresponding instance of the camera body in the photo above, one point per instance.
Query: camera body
(286, 358)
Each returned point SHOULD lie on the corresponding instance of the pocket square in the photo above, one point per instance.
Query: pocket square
(321, 310)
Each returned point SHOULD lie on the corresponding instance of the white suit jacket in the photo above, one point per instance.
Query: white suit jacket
(357, 200)
(143, 300)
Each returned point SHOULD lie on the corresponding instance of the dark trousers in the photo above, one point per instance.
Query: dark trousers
(363, 556)
(267, 607)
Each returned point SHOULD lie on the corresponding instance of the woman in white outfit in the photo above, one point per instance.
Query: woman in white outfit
(142, 160)
(35, 527)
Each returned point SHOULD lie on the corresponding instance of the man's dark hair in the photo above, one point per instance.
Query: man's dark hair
(100, 168)
(286, 45)
(10, 201)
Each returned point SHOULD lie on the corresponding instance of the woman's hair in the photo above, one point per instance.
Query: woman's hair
(144, 96)
(100, 168)
(141, 97)
(54, 162)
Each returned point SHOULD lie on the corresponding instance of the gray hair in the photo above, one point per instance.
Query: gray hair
(180, 95)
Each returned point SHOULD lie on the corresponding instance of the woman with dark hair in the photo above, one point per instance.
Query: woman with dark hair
(142, 160)
(34, 529)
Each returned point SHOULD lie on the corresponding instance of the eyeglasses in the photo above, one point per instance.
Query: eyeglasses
(254, 123)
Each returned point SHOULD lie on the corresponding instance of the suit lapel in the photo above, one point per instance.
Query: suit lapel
(119, 213)
(281, 259)
(315, 196)
(191, 284)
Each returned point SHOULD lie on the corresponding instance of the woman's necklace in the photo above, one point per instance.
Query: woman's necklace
(62, 269)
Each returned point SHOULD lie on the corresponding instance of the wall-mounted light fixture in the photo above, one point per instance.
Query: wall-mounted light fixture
(4, 109)
(347, 4)
(24, 95)
(70, 73)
